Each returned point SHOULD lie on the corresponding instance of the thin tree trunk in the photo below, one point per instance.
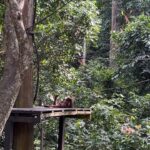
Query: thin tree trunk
(114, 27)
(84, 51)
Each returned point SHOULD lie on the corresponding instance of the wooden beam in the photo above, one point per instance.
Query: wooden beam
(41, 137)
(61, 133)
(25, 119)
(46, 113)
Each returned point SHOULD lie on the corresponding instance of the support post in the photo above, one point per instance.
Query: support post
(41, 137)
(61, 133)
(8, 135)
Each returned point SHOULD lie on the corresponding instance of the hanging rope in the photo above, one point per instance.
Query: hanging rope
(35, 46)
(37, 55)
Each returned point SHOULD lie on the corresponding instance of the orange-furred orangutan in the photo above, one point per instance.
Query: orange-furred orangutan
(65, 103)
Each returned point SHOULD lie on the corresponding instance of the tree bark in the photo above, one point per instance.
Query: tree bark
(23, 132)
(18, 58)
(11, 80)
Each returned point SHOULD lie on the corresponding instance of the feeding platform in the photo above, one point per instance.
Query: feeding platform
(39, 114)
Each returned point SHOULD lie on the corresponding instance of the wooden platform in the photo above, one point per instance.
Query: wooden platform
(39, 114)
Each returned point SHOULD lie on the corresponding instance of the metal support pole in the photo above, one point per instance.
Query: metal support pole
(8, 135)
(61, 133)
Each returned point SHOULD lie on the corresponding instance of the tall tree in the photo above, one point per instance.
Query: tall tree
(23, 132)
(18, 58)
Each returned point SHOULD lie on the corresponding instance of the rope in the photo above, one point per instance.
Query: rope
(35, 46)
(37, 55)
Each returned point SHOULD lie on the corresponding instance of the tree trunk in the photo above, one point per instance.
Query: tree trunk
(11, 80)
(114, 27)
(18, 58)
(23, 132)
(84, 51)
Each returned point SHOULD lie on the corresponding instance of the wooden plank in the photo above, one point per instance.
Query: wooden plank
(45, 109)
(46, 113)
(58, 114)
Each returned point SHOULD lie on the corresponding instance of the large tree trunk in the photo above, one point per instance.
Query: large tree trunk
(23, 132)
(18, 58)
(114, 27)
(11, 81)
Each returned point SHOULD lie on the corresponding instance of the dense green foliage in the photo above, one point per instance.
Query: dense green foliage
(134, 54)
(119, 98)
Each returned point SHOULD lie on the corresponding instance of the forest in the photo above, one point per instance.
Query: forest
(98, 52)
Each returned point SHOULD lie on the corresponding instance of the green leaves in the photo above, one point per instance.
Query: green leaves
(61, 38)
(113, 95)
(134, 53)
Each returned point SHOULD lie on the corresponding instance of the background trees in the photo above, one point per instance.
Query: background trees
(118, 96)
